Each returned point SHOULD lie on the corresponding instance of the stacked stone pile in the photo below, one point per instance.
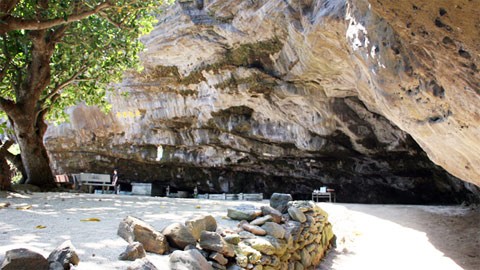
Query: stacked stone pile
(293, 235)
(285, 235)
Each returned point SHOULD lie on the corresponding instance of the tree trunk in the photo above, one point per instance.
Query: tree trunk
(5, 174)
(35, 158)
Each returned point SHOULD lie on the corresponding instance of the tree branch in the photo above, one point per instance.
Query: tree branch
(63, 85)
(12, 23)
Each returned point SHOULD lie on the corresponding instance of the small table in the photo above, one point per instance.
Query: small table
(330, 194)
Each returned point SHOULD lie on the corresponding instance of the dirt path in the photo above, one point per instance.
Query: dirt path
(369, 236)
(404, 237)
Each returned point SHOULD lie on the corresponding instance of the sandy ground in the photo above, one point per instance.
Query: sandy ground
(368, 236)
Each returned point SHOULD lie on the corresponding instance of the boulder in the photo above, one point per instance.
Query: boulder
(24, 259)
(133, 251)
(214, 242)
(261, 220)
(134, 229)
(274, 229)
(55, 266)
(280, 201)
(199, 224)
(232, 238)
(178, 235)
(142, 264)
(65, 254)
(296, 214)
(253, 229)
(243, 212)
(303, 206)
(274, 213)
(188, 260)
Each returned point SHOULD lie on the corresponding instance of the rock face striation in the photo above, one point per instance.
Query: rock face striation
(287, 96)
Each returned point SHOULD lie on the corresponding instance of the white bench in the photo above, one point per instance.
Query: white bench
(240, 196)
(94, 180)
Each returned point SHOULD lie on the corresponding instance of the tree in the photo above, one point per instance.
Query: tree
(57, 52)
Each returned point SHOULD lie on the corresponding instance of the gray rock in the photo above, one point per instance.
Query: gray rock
(24, 259)
(274, 213)
(296, 214)
(293, 230)
(243, 212)
(133, 251)
(188, 260)
(232, 238)
(280, 201)
(55, 266)
(142, 264)
(214, 242)
(274, 229)
(199, 224)
(261, 220)
(303, 206)
(218, 266)
(65, 254)
(178, 235)
(253, 229)
(134, 229)
(219, 258)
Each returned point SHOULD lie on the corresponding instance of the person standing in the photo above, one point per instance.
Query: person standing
(115, 183)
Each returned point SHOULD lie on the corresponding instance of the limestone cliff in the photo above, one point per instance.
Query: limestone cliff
(287, 96)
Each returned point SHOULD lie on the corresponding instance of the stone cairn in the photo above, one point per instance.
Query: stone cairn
(290, 235)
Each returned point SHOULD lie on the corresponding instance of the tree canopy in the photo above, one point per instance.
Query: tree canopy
(95, 41)
(54, 53)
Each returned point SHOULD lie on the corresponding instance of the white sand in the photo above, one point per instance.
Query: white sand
(369, 236)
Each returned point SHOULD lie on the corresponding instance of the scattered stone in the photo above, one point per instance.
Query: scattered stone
(303, 206)
(296, 214)
(261, 244)
(280, 201)
(274, 229)
(188, 260)
(219, 258)
(133, 251)
(178, 235)
(199, 224)
(253, 229)
(56, 266)
(4, 205)
(246, 235)
(261, 220)
(274, 213)
(244, 212)
(218, 266)
(214, 242)
(232, 238)
(65, 254)
(133, 229)
(24, 259)
(142, 264)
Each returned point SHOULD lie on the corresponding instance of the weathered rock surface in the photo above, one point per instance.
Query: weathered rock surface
(287, 96)
(189, 259)
(243, 212)
(23, 259)
(178, 235)
(215, 242)
(142, 264)
(65, 254)
(133, 229)
(132, 252)
(198, 224)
